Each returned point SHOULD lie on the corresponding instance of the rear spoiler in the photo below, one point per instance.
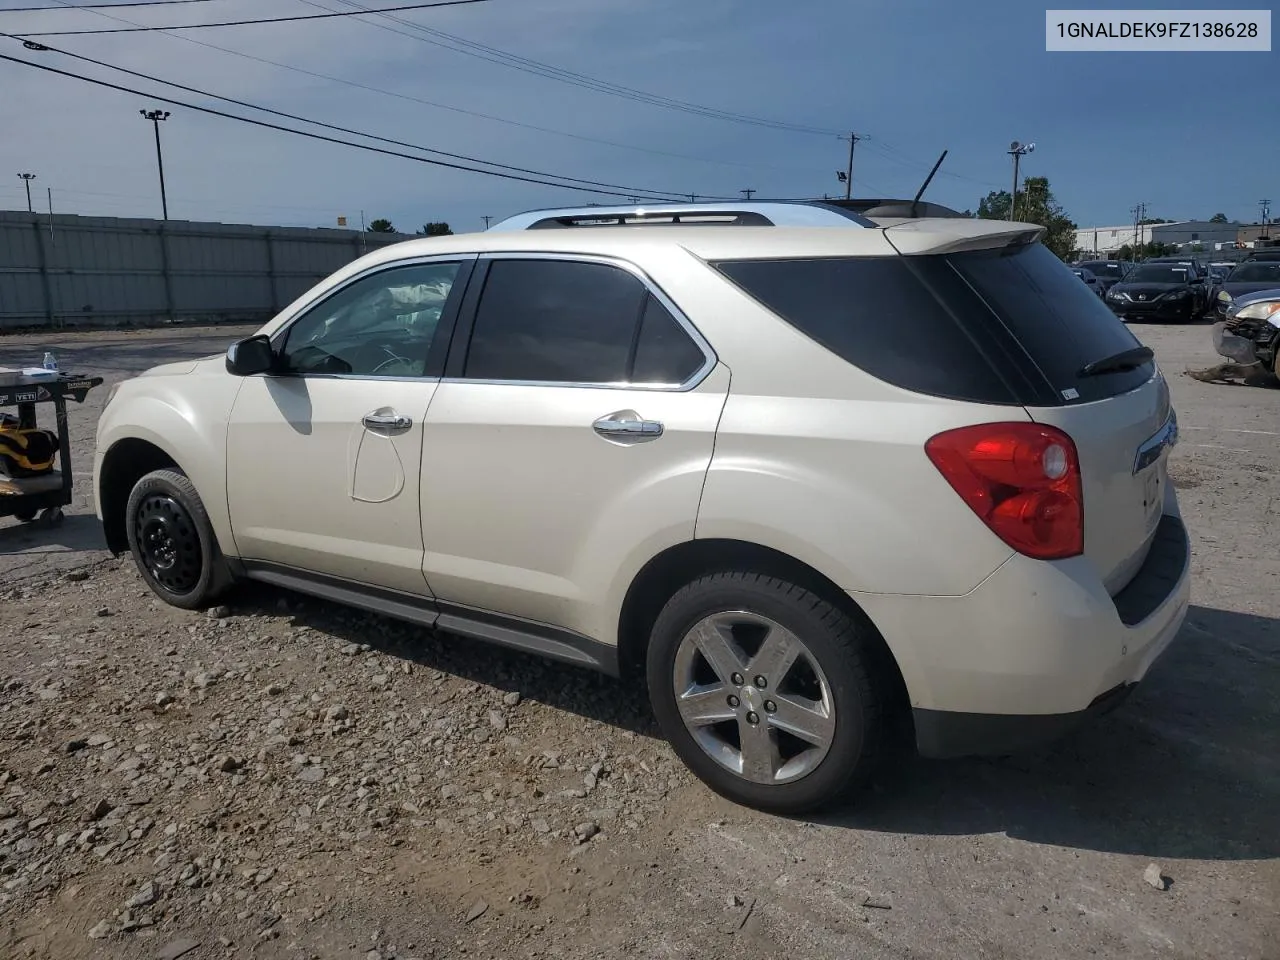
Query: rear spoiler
(945, 235)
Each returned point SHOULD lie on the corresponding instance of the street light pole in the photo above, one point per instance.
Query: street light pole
(1017, 150)
(27, 178)
(155, 116)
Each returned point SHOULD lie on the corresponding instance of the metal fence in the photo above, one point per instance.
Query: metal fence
(67, 270)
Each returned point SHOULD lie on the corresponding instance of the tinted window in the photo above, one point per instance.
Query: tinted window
(380, 325)
(1001, 326)
(1057, 320)
(557, 321)
(1112, 271)
(1260, 272)
(1159, 273)
(665, 353)
(877, 314)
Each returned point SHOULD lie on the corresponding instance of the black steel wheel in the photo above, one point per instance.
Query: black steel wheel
(172, 540)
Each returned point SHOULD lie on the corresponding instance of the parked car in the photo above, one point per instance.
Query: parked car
(1267, 255)
(1090, 280)
(1249, 277)
(1160, 290)
(1108, 272)
(1251, 331)
(706, 460)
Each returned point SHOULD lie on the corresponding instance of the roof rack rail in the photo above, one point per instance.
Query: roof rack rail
(763, 213)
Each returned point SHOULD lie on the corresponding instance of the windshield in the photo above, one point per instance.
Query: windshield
(1112, 271)
(1256, 273)
(1158, 273)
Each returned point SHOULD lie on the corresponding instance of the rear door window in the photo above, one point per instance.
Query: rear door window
(565, 321)
(555, 321)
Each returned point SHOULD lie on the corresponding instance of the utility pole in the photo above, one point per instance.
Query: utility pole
(486, 221)
(747, 193)
(1017, 150)
(693, 198)
(847, 176)
(27, 178)
(1139, 214)
(155, 116)
(1265, 207)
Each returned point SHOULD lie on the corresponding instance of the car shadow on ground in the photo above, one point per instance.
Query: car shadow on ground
(76, 533)
(1189, 766)
(560, 685)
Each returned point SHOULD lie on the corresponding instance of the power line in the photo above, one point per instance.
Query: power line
(319, 136)
(246, 23)
(103, 6)
(493, 55)
(331, 126)
(355, 84)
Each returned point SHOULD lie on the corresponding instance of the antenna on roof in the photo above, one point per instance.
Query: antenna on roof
(915, 201)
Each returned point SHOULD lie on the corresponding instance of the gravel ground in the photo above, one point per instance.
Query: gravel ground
(285, 778)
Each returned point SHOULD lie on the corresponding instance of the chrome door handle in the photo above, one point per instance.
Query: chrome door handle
(386, 422)
(627, 427)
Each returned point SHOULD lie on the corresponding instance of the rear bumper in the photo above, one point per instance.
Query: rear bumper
(1036, 649)
(942, 733)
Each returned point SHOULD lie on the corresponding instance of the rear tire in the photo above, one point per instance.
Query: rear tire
(773, 697)
(172, 541)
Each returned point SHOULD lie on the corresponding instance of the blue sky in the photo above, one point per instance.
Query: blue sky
(1189, 134)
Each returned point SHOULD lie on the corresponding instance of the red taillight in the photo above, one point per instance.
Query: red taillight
(1021, 479)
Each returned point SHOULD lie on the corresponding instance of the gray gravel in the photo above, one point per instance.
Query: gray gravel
(287, 778)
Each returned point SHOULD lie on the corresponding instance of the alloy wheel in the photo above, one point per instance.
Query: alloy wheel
(754, 697)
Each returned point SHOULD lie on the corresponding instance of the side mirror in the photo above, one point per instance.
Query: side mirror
(250, 355)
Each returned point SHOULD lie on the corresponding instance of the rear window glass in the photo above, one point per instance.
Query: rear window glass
(1012, 325)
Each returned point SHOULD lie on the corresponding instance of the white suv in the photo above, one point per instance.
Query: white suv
(800, 480)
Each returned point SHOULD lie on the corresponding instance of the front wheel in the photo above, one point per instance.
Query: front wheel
(172, 540)
(774, 697)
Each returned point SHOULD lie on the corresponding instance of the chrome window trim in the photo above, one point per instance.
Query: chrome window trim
(710, 359)
(280, 334)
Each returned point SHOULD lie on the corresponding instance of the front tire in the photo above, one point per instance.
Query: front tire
(172, 541)
(772, 696)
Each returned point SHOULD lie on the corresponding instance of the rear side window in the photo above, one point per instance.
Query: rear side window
(878, 315)
(561, 321)
(1012, 325)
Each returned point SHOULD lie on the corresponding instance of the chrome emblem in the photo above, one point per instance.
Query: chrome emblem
(1142, 296)
(1164, 438)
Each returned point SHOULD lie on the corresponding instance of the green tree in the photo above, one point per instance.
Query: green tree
(1035, 205)
(435, 230)
(1153, 249)
(1155, 220)
(381, 226)
(1219, 218)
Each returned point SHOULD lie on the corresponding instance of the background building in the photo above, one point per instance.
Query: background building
(1104, 241)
